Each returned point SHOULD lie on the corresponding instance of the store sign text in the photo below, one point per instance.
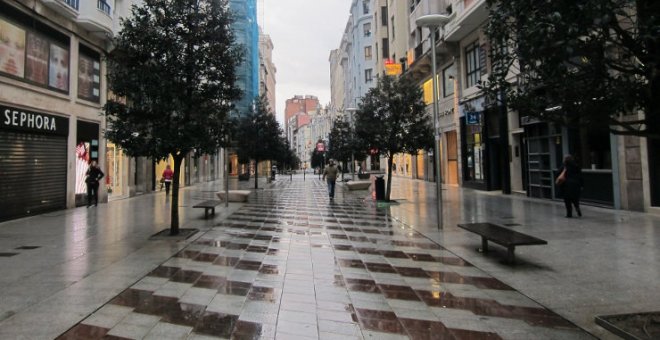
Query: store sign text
(29, 120)
(17, 119)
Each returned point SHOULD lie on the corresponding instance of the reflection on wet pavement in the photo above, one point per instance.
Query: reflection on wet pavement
(292, 264)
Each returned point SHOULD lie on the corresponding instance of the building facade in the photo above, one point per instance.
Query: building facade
(267, 70)
(489, 147)
(52, 89)
(299, 103)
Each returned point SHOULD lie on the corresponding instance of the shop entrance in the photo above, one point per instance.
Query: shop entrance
(32, 173)
(452, 158)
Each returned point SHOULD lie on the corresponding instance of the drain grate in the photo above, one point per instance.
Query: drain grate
(636, 326)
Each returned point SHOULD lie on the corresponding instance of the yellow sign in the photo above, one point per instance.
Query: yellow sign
(393, 69)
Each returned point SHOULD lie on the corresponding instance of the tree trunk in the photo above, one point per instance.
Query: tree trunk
(388, 189)
(174, 223)
(342, 170)
(256, 174)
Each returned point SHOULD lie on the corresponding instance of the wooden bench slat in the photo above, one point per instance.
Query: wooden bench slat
(207, 204)
(502, 235)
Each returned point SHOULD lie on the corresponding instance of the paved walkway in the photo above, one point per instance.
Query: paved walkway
(292, 264)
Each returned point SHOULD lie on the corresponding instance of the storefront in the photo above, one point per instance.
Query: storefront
(547, 144)
(33, 162)
(86, 151)
(115, 171)
(474, 146)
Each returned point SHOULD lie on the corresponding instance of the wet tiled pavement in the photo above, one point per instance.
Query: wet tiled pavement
(292, 264)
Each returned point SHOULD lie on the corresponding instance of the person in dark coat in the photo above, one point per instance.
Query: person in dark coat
(94, 175)
(571, 185)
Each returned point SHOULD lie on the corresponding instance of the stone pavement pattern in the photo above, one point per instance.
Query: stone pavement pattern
(292, 264)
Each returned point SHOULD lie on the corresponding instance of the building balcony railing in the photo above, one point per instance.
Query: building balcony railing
(470, 14)
(67, 8)
(102, 6)
(72, 3)
(96, 17)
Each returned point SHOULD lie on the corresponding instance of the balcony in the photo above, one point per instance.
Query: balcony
(470, 15)
(67, 8)
(96, 17)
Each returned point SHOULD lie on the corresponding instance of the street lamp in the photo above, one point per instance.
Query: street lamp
(433, 21)
(351, 110)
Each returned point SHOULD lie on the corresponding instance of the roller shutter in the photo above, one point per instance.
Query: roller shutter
(32, 173)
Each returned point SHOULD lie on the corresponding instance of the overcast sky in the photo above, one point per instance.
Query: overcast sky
(303, 33)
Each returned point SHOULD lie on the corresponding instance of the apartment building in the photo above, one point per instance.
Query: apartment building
(489, 147)
(267, 70)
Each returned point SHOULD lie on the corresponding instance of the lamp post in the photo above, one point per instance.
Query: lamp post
(433, 21)
(351, 110)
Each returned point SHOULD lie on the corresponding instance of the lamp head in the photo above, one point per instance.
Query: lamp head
(433, 20)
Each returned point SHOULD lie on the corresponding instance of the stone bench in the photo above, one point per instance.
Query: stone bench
(208, 206)
(358, 185)
(502, 236)
(235, 195)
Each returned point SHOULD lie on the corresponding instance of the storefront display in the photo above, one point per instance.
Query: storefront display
(33, 162)
(87, 150)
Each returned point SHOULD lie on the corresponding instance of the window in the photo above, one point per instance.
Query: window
(447, 81)
(365, 7)
(393, 30)
(428, 91)
(383, 15)
(89, 74)
(472, 65)
(103, 6)
(386, 48)
(367, 53)
(368, 75)
(34, 57)
(367, 29)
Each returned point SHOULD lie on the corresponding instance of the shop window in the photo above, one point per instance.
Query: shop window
(472, 64)
(475, 147)
(428, 92)
(31, 56)
(89, 75)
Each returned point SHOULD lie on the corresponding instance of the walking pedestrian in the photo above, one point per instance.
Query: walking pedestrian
(94, 175)
(167, 176)
(330, 172)
(570, 181)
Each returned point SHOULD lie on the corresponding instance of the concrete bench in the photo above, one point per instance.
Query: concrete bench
(235, 195)
(208, 206)
(502, 236)
(358, 185)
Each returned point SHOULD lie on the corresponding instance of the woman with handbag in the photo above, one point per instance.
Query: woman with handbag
(167, 177)
(570, 181)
